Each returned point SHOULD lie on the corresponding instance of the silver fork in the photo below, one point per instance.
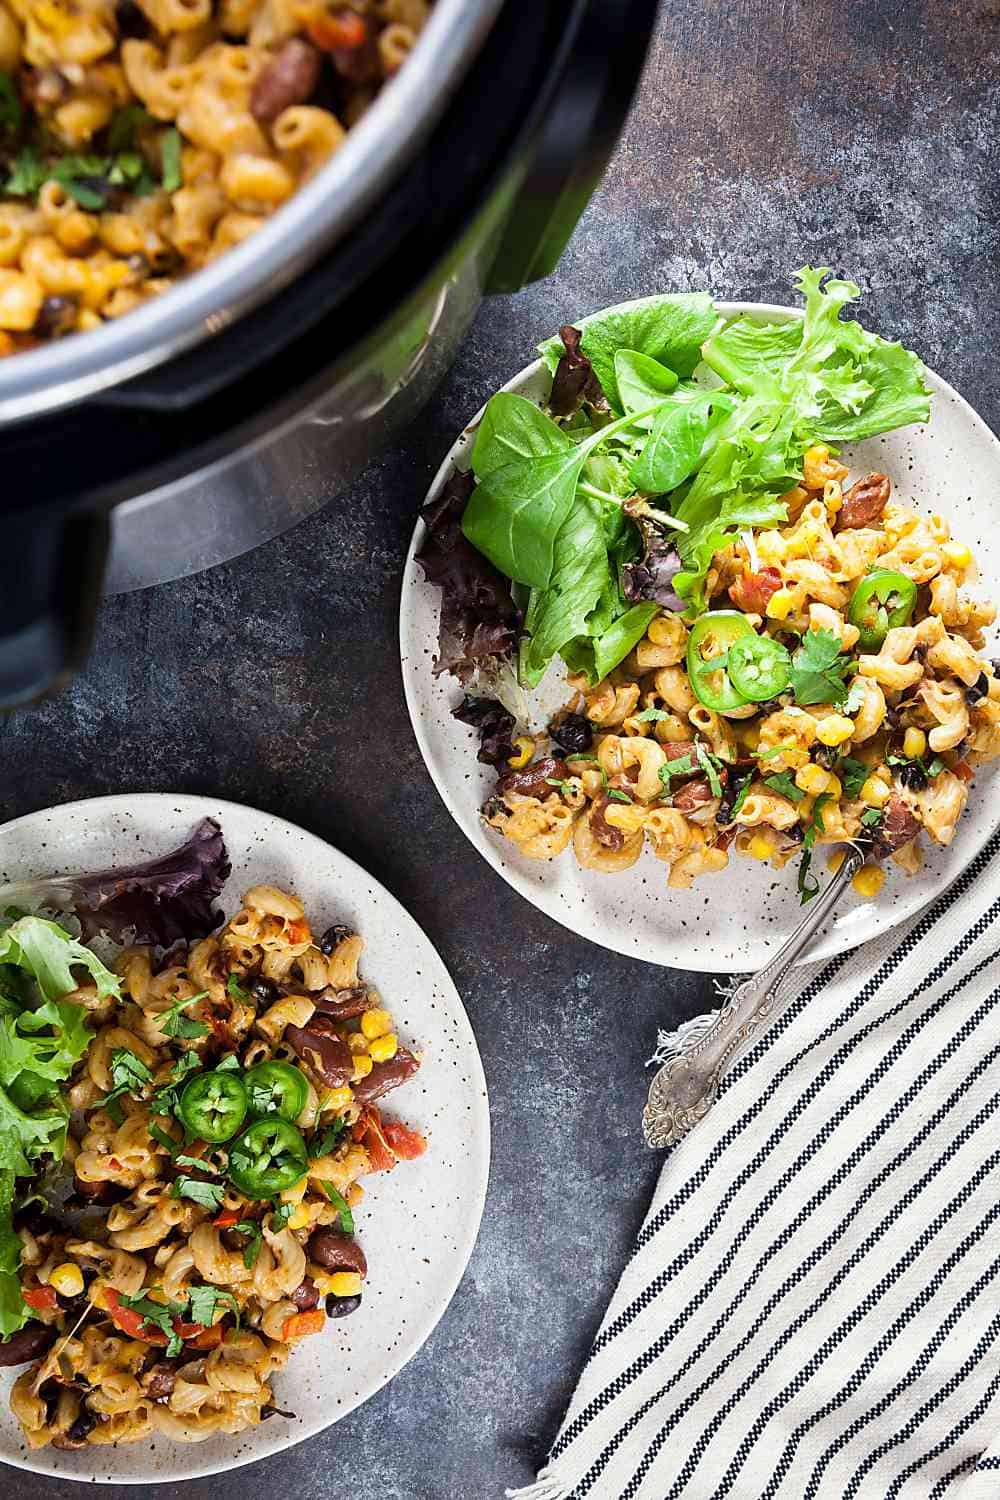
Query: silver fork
(686, 1087)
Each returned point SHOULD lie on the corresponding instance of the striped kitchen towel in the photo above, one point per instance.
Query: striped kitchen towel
(811, 1309)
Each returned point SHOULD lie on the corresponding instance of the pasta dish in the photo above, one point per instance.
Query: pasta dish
(193, 1215)
(762, 655)
(140, 139)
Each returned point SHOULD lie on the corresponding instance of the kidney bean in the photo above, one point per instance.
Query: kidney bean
(342, 1005)
(533, 780)
(385, 1076)
(305, 1295)
(604, 832)
(289, 78)
(159, 1382)
(27, 1344)
(325, 1052)
(754, 591)
(898, 827)
(864, 502)
(335, 1251)
(691, 795)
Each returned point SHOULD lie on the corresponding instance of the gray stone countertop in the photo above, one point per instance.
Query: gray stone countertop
(768, 133)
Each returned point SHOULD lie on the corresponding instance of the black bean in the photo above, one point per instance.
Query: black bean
(263, 991)
(333, 937)
(573, 734)
(913, 776)
(342, 1307)
(56, 316)
(979, 690)
(275, 1411)
(85, 1423)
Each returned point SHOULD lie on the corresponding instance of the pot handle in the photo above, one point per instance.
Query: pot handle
(589, 96)
(51, 593)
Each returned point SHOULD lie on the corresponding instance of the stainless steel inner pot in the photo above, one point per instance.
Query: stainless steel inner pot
(325, 209)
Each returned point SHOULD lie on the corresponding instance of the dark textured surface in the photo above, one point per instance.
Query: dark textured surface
(767, 134)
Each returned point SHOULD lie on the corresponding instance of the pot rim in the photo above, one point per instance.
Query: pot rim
(320, 213)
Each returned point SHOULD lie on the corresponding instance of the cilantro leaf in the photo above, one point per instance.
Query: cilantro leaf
(164, 1101)
(681, 765)
(708, 763)
(174, 1024)
(170, 160)
(340, 1203)
(742, 795)
(819, 667)
(321, 1143)
(234, 988)
(281, 1215)
(782, 783)
(205, 1301)
(855, 696)
(614, 795)
(166, 1141)
(872, 817)
(808, 885)
(128, 1074)
(651, 716)
(252, 1249)
(208, 1194)
(160, 1314)
(853, 775)
(126, 123)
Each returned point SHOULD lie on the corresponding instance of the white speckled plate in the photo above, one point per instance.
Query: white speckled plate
(418, 1224)
(734, 920)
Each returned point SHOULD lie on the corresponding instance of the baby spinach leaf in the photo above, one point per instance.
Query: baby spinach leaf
(511, 428)
(670, 329)
(578, 575)
(672, 449)
(641, 380)
(514, 516)
(596, 655)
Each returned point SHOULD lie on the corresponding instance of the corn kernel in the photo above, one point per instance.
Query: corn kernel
(834, 787)
(67, 1279)
(383, 1047)
(760, 847)
(834, 729)
(524, 749)
(340, 1098)
(914, 743)
(835, 859)
(376, 1023)
(875, 793)
(299, 1218)
(812, 779)
(362, 1066)
(345, 1284)
(781, 604)
(884, 774)
(956, 554)
(750, 736)
(357, 1042)
(354, 1194)
(869, 881)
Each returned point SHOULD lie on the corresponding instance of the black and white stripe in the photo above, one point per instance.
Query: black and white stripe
(809, 1311)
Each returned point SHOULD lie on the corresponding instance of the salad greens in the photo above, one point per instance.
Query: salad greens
(42, 1037)
(619, 507)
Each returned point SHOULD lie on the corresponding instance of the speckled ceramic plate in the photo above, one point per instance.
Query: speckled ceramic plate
(734, 920)
(418, 1224)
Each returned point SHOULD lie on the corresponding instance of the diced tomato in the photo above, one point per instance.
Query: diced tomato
(41, 1298)
(299, 1324)
(754, 591)
(129, 1321)
(227, 1218)
(115, 1163)
(406, 1143)
(963, 770)
(381, 1157)
(206, 1338)
(300, 931)
(345, 31)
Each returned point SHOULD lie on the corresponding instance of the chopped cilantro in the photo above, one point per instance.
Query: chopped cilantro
(160, 1314)
(340, 1203)
(774, 750)
(614, 795)
(230, 1063)
(170, 159)
(125, 126)
(651, 716)
(208, 1194)
(174, 1024)
(782, 783)
(872, 817)
(205, 1301)
(708, 764)
(234, 988)
(164, 1101)
(853, 774)
(252, 1249)
(281, 1215)
(166, 1141)
(128, 1074)
(819, 668)
(855, 696)
(808, 885)
(322, 1142)
(742, 794)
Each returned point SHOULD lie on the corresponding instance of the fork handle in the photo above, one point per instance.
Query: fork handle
(686, 1087)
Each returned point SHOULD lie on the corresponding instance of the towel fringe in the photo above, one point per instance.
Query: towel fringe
(671, 1044)
(546, 1488)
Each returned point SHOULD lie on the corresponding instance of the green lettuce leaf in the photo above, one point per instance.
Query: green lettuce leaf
(49, 955)
(13, 1311)
(579, 573)
(670, 329)
(512, 428)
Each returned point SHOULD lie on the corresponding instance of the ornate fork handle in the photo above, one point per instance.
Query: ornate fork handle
(686, 1087)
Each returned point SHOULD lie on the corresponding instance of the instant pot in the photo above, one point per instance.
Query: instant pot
(215, 417)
